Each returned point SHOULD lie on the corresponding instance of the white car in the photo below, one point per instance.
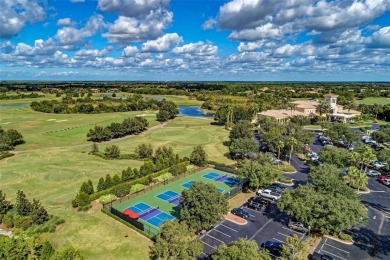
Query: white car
(373, 173)
(379, 165)
(269, 194)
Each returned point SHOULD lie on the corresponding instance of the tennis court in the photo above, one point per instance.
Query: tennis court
(150, 214)
(163, 203)
(170, 196)
(228, 180)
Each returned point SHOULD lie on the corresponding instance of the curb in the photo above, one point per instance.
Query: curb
(289, 172)
(364, 192)
(287, 184)
(231, 218)
(339, 240)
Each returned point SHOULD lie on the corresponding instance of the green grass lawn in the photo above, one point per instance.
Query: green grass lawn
(52, 166)
(373, 100)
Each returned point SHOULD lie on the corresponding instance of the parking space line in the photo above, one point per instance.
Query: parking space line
(215, 238)
(278, 240)
(207, 244)
(250, 209)
(229, 228)
(334, 255)
(205, 254)
(221, 232)
(258, 231)
(377, 191)
(337, 248)
(283, 234)
(299, 233)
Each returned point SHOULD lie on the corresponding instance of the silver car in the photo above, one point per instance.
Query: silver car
(373, 173)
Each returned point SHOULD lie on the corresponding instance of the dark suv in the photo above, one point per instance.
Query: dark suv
(274, 248)
(259, 200)
(240, 212)
(254, 205)
(297, 227)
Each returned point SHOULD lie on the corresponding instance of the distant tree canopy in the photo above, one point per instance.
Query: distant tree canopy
(240, 249)
(87, 105)
(9, 139)
(129, 126)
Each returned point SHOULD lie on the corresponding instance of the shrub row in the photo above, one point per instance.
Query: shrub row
(142, 180)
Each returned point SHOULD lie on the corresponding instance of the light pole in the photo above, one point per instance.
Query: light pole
(308, 233)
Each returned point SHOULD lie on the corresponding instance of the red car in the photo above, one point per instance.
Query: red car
(382, 179)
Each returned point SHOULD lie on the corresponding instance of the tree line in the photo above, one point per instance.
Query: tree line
(4, 96)
(129, 126)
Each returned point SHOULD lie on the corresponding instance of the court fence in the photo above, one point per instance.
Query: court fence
(142, 228)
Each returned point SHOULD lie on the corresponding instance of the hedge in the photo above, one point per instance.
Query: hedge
(141, 180)
(105, 211)
(345, 237)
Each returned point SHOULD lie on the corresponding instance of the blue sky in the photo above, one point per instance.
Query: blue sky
(245, 40)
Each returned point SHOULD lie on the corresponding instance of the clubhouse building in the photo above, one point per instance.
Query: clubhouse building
(307, 108)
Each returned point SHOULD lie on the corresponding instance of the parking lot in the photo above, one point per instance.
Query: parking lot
(266, 224)
(371, 241)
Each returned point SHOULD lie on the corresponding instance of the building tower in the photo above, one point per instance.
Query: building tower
(331, 99)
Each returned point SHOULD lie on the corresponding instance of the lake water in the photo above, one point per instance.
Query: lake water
(13, 106)
(193, 111)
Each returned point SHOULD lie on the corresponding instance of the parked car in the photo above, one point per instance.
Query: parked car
(379, 165)
(274, 248)
(386, 182)
(373, 173)
(269, 194)
(317, 162)
(259, 200)
(240, 212)
(318, 256)
(276, 186)
(382, 178)
(254, 205)
(297, 226)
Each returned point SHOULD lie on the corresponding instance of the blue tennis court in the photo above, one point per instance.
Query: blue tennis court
(220, 190)
(151, 215)
(170, 196)
(211, 175)
(188, 184)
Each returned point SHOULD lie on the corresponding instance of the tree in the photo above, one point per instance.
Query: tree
(108, 183)
(90, 188)
(5, 205)
(86, 187)
(352, 175)
(367, 155)
(294, 248)
(101, 184)
(112, 152)
(258, 175)
(116, 180)
(127, 175)
(279, 145)
(240, 249)
(355, 158)
(198, 156)
(361, 180)
(335, 155)
(377, 108)
(82, 199)
(175, 241)
(323, 108)
(39, 214)
(47, 251)
(147, 168)
(291, 142)
(243, 129)
(243, 146)
(70, 253)
(121, 190)
(22, 205)
(95, 148)
(202, 206)
(15, 137)
(144, 151)
(167, 110)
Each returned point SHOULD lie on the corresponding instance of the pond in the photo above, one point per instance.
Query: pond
(13, 106)
(193, 111)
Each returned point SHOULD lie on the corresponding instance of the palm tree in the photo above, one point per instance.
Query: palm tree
(367, 155)
(361, 180)
(229, 117)
(292, 107)
(377, 108)
(291, 141)
(279, 145)
(350, 105)
(352, 175)
(323, 108)
(355, 158)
